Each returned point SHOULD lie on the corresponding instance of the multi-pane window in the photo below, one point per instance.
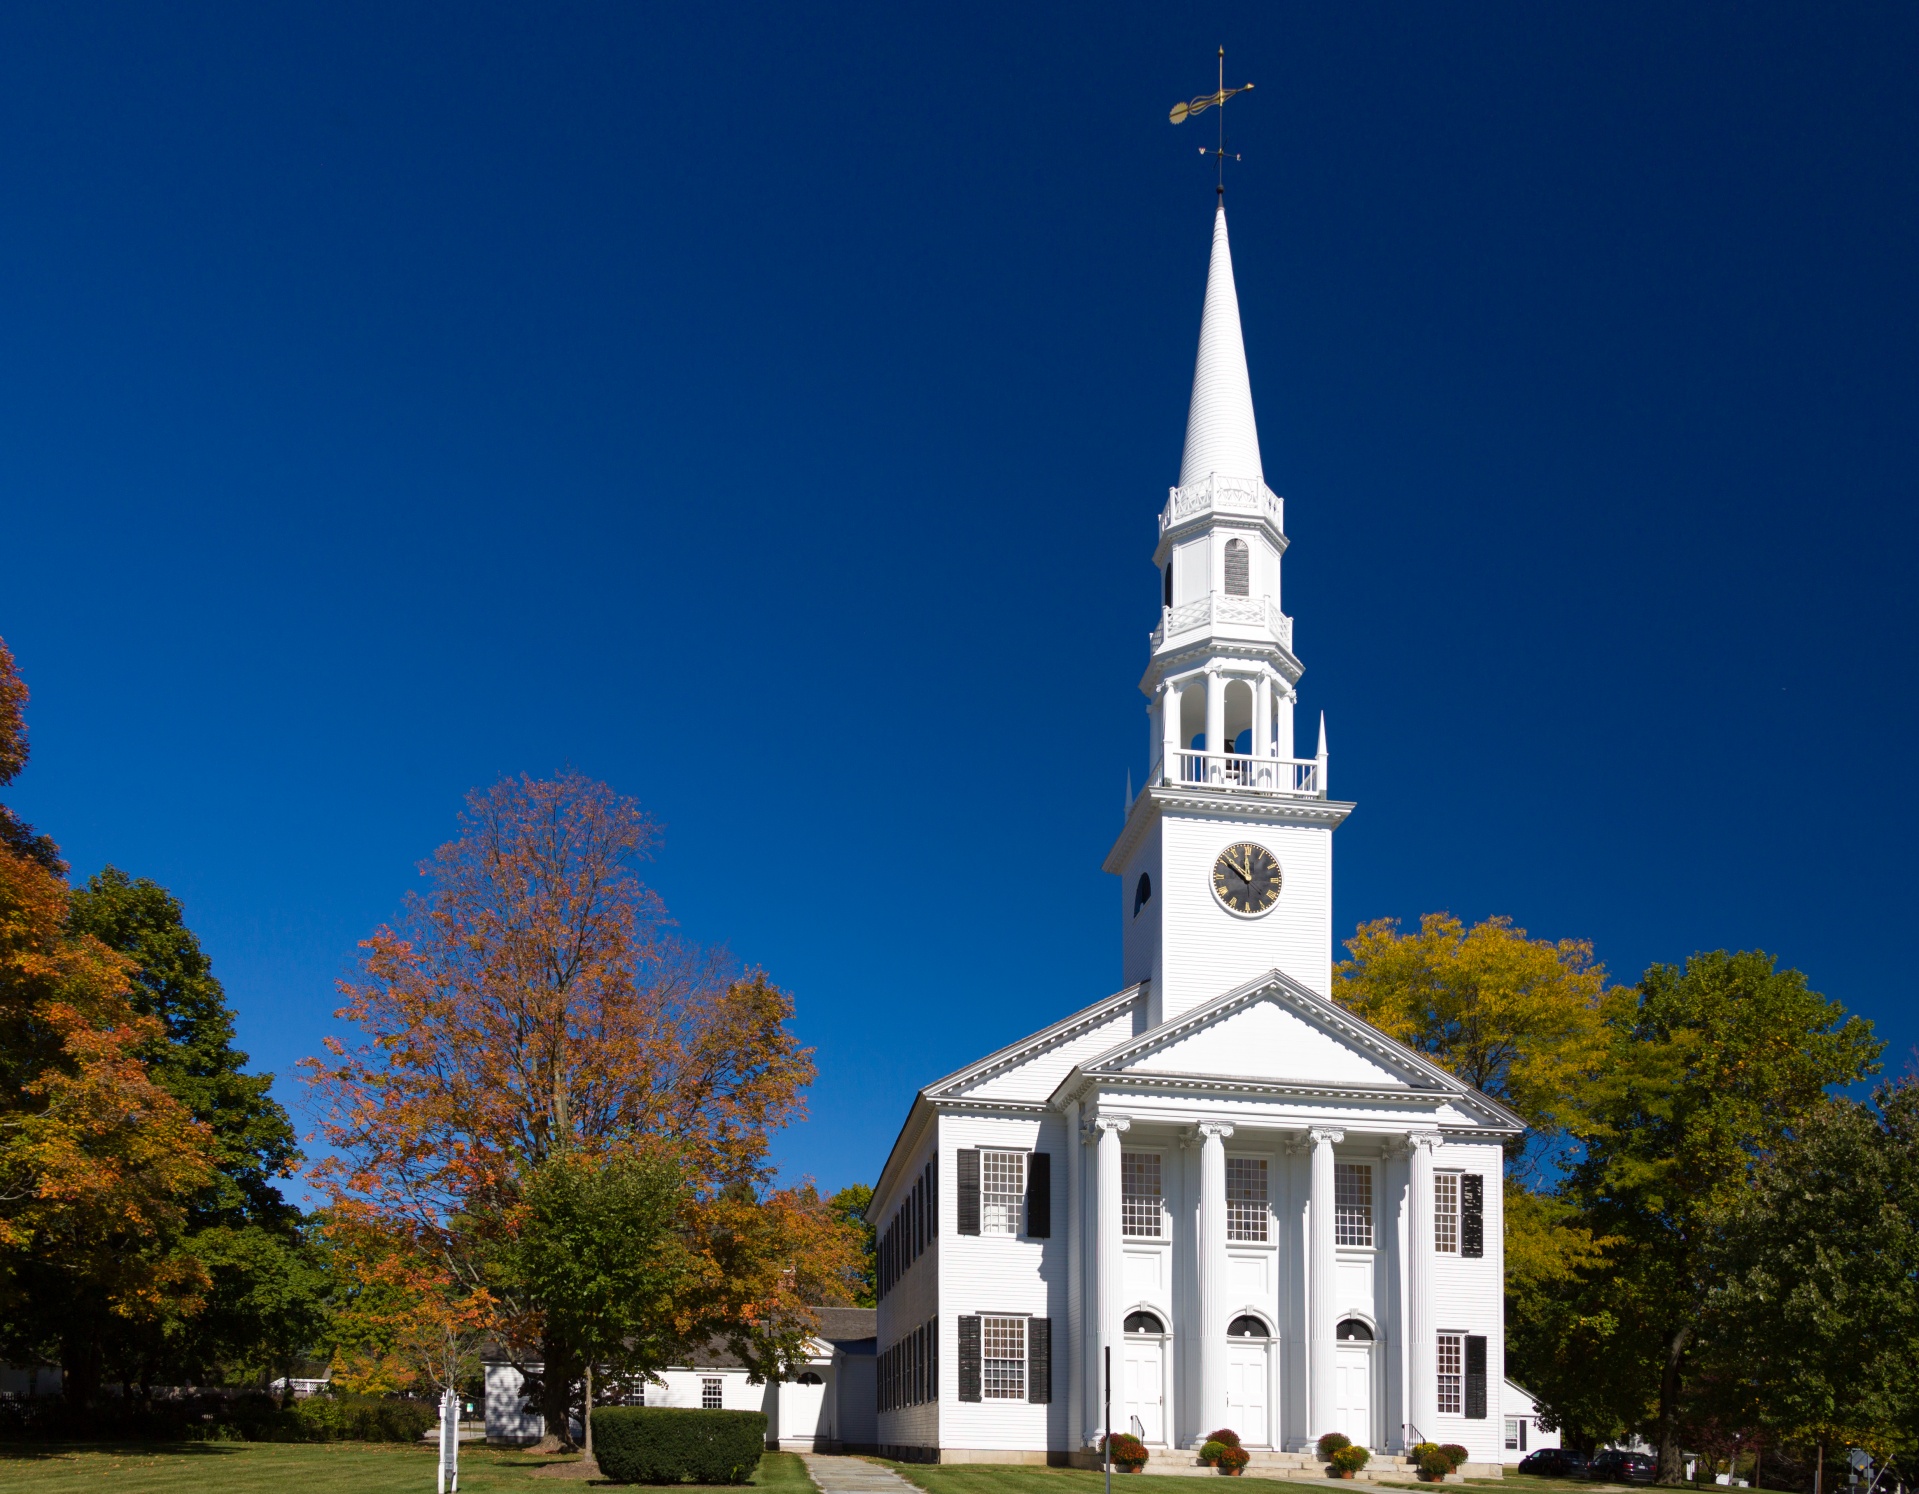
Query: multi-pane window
(710, 1395)
(1003, 1358)
(1246, 1198)
(1514, 1441)
(1002, 1187)
(1446, 1213)
(1139, 1194)
(1452, 1373)
(1353, 1203)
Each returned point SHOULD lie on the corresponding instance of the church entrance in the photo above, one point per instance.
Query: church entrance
(1353, 1382)
(1143, 1378)
(1248, 1345)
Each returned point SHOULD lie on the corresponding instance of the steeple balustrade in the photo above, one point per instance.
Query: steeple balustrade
(1303, 777)
(1226, 495)
(1219, 607)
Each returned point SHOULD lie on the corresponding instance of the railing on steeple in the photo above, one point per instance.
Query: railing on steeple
(1240, 772)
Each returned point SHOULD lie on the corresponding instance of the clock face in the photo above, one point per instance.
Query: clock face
(1246, 878)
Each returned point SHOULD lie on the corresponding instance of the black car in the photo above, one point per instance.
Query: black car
(1614, 1466)
(1554, 1462)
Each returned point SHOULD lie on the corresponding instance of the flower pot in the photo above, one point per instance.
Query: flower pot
(1345, 1473)
(1129, 1467)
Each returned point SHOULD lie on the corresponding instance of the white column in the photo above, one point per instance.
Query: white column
(1284, 726)
(1212, 1274)
(1262, 718)
(1215, 711)
(1075, 1336)
(1323, 1279)
(1109, 1264)
(1169, 725)
(1422, 1369)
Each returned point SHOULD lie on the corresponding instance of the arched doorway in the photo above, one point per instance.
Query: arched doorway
(1142, 1385)
(1249, 1379)
(1353, 1381)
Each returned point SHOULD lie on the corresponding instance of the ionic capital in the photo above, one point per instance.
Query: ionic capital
(1208, 1130)
(1100, 1123)
(1416, 1140)
(1325, 1135)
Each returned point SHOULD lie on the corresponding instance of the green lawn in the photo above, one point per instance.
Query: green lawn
(1024, 1478)
(303, 1468)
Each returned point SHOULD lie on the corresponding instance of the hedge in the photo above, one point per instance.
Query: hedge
(220, 1418)
(673, 1444)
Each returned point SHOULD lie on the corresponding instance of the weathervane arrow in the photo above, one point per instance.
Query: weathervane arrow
(1187, 108)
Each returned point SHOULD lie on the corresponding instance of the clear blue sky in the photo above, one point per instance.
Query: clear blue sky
(766, 410)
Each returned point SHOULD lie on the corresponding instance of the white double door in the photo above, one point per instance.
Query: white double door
(1353, 1392)
(1247, 1384)
(1143, 1389)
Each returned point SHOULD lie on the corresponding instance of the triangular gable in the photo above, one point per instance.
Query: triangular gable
(1273, 1030)
(1028, 1071)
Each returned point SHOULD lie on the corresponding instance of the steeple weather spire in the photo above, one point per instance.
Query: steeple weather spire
(1221, 436)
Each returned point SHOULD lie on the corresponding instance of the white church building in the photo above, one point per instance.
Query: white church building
(1270, 1215)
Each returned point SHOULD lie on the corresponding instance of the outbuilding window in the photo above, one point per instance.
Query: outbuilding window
(709, 1395)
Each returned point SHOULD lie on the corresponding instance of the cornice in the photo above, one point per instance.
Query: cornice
(1218, 518)
(1266, 809)
(1015, 1054)
(1208, 646)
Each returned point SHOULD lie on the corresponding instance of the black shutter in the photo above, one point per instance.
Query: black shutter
(919, 1217)
(933, 1359)
(1039, 1360)
(969, 1200)
(969, 1387)
(1472, 1217)
(932, 1205)
(1475, 1377)
(1039, 1196)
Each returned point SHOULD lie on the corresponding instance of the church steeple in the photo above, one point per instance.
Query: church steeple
(1221, 437)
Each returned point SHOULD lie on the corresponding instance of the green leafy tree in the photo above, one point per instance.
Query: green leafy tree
(1816, 1319)
(1712, 1068)
(602, 1256)
(849, 1206)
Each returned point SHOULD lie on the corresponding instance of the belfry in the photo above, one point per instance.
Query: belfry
(1264, 1213)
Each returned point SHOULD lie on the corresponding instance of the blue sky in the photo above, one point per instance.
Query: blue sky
(766, 410)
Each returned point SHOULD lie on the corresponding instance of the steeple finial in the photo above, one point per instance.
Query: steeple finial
(1221, 436)
(1187, 108)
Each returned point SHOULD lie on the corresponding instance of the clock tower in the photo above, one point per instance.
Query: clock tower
(1226, 859)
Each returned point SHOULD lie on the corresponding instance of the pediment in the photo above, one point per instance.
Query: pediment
(1273, 1031)
(1028, 1071)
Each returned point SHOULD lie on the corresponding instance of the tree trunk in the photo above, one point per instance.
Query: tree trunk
(586, 1416)
(82, 1367)
(1819, 1471)
(556, 1390)
(1671, 1465)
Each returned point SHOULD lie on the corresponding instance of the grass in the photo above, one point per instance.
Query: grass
(304, 1468)
(1027, 1478)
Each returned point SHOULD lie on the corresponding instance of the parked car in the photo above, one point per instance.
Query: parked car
(1615, 1466)
(1554, 1462)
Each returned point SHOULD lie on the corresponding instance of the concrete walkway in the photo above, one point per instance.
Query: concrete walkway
(832, 1474)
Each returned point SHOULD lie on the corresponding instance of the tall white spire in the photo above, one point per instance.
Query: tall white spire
(1220, 434)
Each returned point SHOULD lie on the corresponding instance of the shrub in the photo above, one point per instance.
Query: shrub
(1232, 1459)
(1210, 1449)
(1350, 1459)
(1128, 1450)
(1455, 1452)
(1331, 1443)
(1226, 1435)
(1433, 1464)
(675, 1444)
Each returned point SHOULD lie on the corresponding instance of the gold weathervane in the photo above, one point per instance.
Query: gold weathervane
(1187, 108)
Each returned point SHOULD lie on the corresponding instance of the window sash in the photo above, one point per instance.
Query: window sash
(1003, 1358)
(1002, 1188)
(710, 1396)
(1246, 1198)
(1353, 1204)
(1140, 1196)
(1446, 1213)
(1452, 1374)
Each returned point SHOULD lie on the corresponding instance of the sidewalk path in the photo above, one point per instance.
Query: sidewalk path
(837, 1475)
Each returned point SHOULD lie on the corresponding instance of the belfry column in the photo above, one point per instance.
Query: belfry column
(1108, 1261)
(1320, 1305)
(1212, 1274)
(1422, 1383)
(1215, 711)
(1169, 713)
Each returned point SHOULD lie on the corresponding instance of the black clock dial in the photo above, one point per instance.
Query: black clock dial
(1246, 878)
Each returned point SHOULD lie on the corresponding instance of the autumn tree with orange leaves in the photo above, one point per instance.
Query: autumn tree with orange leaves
(97, 1160)
(533, 1007)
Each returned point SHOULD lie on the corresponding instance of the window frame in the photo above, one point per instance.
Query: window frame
(712, 1392)
(1446, 1212)
(1343, 1221)
(1133, 1204)
(1241, 1211)
(1456, 1342)
(1011, 1384)
(991, 1199)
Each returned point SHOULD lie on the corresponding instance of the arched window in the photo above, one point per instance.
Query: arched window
(1238, 569)
(1143, 1322)
(1168, 589)
(810, 1377)
(1355, 1331)
(1247, 1326)
(1142, 894)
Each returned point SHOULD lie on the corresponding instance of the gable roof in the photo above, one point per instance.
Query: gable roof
(1274, 1035)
